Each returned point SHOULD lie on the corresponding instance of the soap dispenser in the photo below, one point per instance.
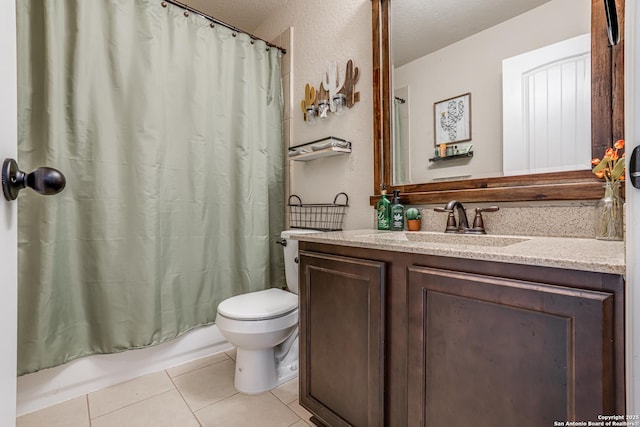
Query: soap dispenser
(397, 213)
(383, 209)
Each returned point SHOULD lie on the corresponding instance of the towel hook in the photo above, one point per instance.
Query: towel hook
(44, 180)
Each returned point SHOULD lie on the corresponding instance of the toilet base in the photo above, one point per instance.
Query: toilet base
(257, 371)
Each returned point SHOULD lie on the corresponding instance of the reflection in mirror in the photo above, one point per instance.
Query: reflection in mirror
(401, 148)
(463, 52)
(546, 108)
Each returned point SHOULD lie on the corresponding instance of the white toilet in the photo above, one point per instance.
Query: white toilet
(263, 326)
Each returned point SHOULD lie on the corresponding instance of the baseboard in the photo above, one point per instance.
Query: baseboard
(85, 375)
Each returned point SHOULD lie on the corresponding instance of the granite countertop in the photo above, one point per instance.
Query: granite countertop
(560, 252)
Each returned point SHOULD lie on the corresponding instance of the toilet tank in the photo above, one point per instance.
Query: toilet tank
(291, 257)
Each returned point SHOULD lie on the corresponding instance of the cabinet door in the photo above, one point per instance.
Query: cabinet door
(487, 351)
(342, 339)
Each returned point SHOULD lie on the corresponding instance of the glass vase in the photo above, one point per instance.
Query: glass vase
(609, 224)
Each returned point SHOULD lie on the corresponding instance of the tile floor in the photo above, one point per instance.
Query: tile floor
(198, 393)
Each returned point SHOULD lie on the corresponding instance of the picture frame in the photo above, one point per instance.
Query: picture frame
(452, 120)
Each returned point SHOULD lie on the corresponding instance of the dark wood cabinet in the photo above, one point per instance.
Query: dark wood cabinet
(401, 339)
(342, 339)
(489, 351)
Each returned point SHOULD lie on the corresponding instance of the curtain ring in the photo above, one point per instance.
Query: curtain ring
(233, 34)
(253, 41)
(268, 48)
(186, 13)
(212, 25)
(164, 4)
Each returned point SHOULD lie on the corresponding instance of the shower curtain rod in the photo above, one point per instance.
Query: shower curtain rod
(219, 22)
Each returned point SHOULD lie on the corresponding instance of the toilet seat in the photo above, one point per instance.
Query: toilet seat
(261, 305)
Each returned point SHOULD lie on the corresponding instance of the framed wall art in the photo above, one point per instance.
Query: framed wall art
(452, 119)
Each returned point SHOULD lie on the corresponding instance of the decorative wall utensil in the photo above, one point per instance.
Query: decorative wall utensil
(308, 105)
(351, 77)
(331, 97)
(333, 83)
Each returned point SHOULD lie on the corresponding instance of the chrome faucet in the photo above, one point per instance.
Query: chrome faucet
(462, 225)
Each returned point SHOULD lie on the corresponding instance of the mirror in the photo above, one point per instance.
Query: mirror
(484, 184)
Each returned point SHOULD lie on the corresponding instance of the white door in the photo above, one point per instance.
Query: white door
(8, 218)
(546, 111)
(632, 136)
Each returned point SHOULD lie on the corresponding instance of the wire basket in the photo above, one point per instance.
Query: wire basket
(317, 216)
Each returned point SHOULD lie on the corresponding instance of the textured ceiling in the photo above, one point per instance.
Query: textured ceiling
(420, 27)
(246, 15)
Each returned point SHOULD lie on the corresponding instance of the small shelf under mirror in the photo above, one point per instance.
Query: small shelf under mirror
(454, 156)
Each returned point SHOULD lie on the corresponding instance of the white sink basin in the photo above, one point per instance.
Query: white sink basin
(446, 238)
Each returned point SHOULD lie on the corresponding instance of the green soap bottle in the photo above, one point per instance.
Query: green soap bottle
(384, 210)
(397, 213)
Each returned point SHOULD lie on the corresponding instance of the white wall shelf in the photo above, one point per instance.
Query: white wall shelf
(325, 147)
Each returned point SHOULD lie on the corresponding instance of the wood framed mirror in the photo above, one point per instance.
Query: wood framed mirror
(607, 125)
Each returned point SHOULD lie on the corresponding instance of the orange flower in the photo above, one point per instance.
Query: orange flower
(611, 167)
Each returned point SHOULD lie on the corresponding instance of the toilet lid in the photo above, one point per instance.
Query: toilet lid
(260, 305)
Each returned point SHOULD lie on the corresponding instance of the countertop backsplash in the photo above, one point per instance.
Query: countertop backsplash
(553, 219)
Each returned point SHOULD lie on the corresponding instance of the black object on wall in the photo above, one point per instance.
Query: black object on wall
(46, 181)
(634, 167)
(612, 21)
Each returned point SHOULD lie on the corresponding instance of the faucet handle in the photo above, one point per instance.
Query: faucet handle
(488, 209)
(452, 227)
(478, 223)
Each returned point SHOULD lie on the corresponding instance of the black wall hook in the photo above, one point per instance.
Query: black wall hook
(611, 14)
(46, 181)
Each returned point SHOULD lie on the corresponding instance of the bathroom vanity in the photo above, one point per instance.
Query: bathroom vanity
(427, 329)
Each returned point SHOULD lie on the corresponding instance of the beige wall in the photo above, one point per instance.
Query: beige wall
(475, 65)
(339, 30)
(322, 32)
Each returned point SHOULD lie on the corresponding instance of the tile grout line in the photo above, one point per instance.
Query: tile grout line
(289, 407)
(130, 404)
(198, 368)
(175, 387)
(296, 414)
(283, 402)
(286, 405)
(210, 404)
(86, 401)
(193, 411)
(182, 396)
(280, 400)
(133, 403)
(217, 401)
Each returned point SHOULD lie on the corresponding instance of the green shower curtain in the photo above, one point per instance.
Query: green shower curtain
(399, 145)
(169, 132)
